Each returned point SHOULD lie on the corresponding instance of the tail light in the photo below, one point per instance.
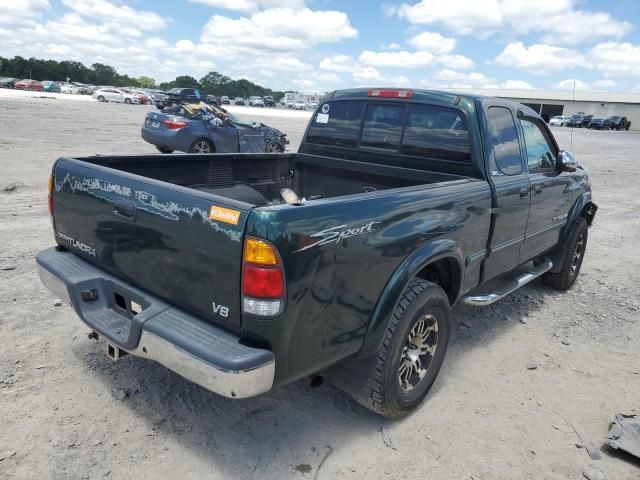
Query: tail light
(50, 197)
(175, 124)
(262, 279)
(391, 93)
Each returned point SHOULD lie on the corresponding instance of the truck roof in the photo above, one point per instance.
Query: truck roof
(425, 95)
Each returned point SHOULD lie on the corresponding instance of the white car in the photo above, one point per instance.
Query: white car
(115, 95)
(68, 88)
(312, 105)
(256, 101)
(299, 105)
(559, 121)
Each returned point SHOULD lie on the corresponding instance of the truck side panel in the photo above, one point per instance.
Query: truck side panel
(339, 255)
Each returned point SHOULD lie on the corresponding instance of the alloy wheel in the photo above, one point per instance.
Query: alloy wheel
(418, 352)
(201, 146)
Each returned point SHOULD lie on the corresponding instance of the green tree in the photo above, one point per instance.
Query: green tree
(146, 82)
(103, 74)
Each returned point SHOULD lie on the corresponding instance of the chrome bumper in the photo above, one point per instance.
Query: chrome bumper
(229, 382)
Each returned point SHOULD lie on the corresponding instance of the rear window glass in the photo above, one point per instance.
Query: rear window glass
(506, 147)
(337, 123)
(382, 126)
(437, 132)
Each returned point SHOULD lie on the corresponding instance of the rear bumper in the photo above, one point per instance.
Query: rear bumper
(199, 351)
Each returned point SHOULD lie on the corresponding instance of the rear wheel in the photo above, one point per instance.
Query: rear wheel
(127, 101)
(164, 149)
(411, 353)
(202, 145)
(273, 147)
(101, 98)
(576, 246)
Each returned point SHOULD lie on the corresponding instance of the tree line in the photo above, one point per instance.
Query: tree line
(213, 83)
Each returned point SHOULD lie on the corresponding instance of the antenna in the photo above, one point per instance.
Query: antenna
(573, 106)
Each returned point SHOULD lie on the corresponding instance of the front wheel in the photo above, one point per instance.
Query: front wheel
(273, 147)
(127, 101)
(202, 145)
(164, 149)
(101, 98)
(576, 246)
(412, 351)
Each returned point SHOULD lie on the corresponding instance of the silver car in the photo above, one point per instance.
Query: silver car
(115, 95)
(256, 102)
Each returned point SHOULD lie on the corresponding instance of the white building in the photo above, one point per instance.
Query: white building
(550, 102)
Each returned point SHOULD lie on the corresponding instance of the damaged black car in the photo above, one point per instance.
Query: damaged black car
(201, 128)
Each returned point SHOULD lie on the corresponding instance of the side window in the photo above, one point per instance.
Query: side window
(336, 123)
(540, 152)
(506, 148)
(382, 126)
(437, 132)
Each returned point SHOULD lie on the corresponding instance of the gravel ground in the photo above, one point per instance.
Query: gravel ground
(67, 411)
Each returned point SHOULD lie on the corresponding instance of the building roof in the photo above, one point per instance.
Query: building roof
(558, 95)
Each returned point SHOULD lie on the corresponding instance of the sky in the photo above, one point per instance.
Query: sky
(315, 46)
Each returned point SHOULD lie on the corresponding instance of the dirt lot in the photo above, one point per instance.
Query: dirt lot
(487, 417)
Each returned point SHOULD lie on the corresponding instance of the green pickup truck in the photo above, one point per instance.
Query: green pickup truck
(243, 272)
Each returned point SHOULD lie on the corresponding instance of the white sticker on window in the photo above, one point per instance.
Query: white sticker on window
(322, 118)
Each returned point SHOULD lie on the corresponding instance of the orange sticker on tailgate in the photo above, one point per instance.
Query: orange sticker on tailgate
(224, 215)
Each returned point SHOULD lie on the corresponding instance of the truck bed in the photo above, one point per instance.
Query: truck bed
(256, 179)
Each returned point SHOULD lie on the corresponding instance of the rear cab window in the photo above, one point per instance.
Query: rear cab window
(411, 129)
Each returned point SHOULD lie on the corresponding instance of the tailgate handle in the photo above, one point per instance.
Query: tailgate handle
(124, 209)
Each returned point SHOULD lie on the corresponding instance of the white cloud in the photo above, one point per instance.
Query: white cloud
(516, 85)
(433, 42)
(447, 75)
(117, 14)
(16, 12)
(338, 63)
(455, 61)
(251, 5)
(581, 27)
(604, 84)
(391, 46)
(278, 29)
(616, 59)
(540, 59)
(569, 84)
(401, 59)
(559, 19)
(460, 16)
(368, 75)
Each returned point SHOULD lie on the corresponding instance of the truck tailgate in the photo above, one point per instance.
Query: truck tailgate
(155, 235)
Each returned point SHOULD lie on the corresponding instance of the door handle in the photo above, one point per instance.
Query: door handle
(124, 209)
(524, 192)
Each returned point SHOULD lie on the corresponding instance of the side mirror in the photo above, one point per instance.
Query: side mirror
(565, 162)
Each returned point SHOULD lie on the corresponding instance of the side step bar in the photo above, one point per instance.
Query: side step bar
(487, 299)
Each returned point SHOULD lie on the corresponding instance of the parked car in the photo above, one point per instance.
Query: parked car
(157, 95)
(289, 103)
(27, 84)
(312, 105)
(299, 105)
(269, 101)
(619, 123)
(579, 120)
(210, 100)
(194, 129)
(115, 95)
(239, 101)
(224, 100)
(343, 260)
(599, 124)
(177, 96)
(559, 120)
(7, 82)
(69, 88)
(50, 86)
(256, 101)
(82, 89)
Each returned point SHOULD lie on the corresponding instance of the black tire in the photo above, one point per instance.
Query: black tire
(384, 392)
(273, 147)
(576, 246)
(164, 149)
(101, 98)
(627, 127)
(201, 146)
(127, 101)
